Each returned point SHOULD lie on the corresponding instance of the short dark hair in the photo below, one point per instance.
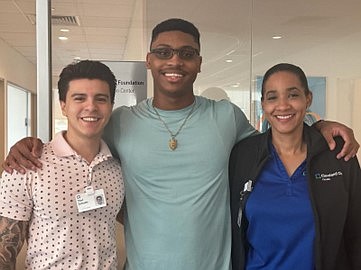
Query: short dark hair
(289, 68)
(175, 24)
(86, 69)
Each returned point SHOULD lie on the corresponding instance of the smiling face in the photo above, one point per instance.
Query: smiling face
(87, 107)
(285, 102)
(174, 77)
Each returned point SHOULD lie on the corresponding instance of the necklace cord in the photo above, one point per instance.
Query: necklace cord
(173, 136)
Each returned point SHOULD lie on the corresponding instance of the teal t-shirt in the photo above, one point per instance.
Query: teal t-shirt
(177, 201)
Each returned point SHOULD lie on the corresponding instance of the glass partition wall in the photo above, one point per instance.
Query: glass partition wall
(226, 45)
(322, 38)
(242, 39)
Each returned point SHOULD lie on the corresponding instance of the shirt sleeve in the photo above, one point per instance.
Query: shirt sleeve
(353, 222)
(112, 132)
(243, 126)
(15, 196)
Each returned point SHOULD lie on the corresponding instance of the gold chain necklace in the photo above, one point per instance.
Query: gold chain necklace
(173, 143)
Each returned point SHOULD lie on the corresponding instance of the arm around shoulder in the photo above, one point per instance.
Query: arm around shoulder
(243, 126)
(330, 130)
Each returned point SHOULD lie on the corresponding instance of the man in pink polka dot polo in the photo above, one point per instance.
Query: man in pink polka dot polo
(67, 210)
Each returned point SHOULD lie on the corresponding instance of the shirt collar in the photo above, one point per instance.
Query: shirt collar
(62, 149)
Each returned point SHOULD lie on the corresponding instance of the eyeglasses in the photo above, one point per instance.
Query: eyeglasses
(185, 53)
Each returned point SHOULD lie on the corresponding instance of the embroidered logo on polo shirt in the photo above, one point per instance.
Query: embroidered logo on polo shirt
(327, 176)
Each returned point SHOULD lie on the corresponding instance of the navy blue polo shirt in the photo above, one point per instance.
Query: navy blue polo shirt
(281, 227)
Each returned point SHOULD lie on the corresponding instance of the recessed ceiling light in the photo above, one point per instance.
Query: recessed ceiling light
(277, 37)
(64, 30)
(229, 60)
(63, 38)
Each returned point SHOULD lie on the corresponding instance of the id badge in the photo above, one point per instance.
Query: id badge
(90, 199)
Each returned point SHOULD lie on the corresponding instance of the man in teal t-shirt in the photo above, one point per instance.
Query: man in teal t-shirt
(177, 200)
(174, 151)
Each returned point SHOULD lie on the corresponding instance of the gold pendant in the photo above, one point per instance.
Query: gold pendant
(172, 144)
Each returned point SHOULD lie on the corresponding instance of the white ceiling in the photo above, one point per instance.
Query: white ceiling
(102, 32)
(226, 29)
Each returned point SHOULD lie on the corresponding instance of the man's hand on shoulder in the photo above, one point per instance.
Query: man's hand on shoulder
(24, 155)
(330, 129)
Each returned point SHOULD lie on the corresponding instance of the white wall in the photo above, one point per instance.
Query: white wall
(16, 69)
